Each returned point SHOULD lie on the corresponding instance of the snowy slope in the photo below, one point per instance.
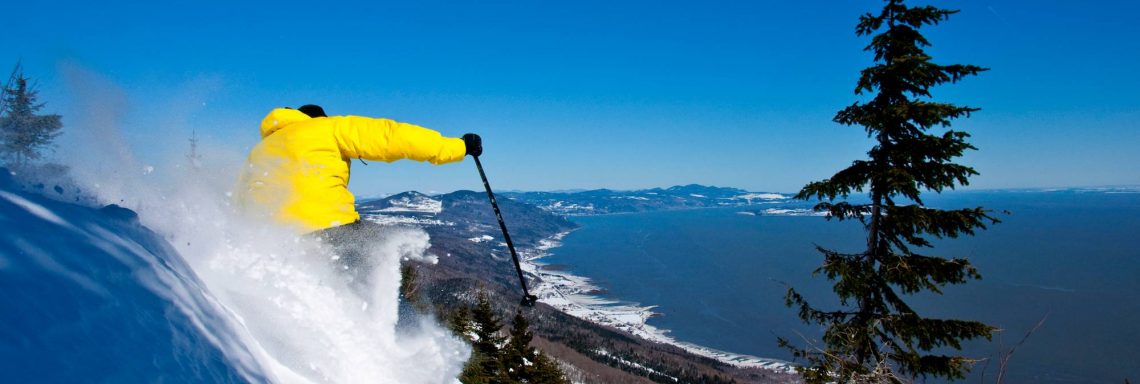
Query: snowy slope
(92, 296)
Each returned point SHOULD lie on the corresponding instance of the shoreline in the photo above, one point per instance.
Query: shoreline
(577, 296)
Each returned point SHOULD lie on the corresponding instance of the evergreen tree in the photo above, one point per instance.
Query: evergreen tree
(460, 321)
(876, 336)
(23, 133)
(524, 363)
(517, 355)
(498, 359)
(546, 371)
(485, 365)
(475, 371)
(487, 326)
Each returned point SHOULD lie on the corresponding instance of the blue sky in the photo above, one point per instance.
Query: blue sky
(589, 94)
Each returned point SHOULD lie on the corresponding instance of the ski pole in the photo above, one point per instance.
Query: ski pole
(528, 299)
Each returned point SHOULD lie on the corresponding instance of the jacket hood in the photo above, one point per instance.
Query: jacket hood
(279, 118)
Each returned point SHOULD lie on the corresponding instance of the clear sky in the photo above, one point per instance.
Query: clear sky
(588, 94)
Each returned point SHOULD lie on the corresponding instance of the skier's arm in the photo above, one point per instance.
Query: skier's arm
(387, 140)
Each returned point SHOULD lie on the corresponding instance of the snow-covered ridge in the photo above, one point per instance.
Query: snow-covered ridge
(405, 220)
(760, 196)
(481, 239)
(96, 281)
(414, 203)
(565, 208)
(794, 212)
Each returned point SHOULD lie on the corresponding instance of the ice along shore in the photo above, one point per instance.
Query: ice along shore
(577, 296)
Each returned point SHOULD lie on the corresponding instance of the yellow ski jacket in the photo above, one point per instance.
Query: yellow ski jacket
(298, 174)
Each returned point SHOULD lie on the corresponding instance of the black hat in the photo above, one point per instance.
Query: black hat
(312, 110)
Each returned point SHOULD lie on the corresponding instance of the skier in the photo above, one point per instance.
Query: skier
(298, 174)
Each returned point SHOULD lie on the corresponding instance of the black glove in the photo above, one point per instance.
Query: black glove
(474, 144)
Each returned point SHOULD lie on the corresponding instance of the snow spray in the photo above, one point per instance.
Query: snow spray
(300, 318)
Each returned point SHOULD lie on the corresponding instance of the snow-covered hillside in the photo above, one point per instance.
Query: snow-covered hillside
(411, 202)
(94, 295)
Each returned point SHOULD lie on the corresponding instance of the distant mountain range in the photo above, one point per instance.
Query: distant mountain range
(587, 202)
(604, 201)
(533, 216)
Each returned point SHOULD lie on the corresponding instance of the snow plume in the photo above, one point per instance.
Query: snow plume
(301, 317)
(314, 325)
